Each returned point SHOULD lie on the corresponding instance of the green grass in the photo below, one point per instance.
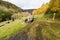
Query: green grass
(50, 16)
(11, 29)
(50, 31)
(45, 29)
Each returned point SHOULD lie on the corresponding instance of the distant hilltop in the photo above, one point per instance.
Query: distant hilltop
(10, 6)
(28, 10)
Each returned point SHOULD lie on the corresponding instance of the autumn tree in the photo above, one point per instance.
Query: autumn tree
(54, 7)
(42, 9)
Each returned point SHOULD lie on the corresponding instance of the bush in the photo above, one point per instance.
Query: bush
(5, 15)
(50, 15)
(57, 15)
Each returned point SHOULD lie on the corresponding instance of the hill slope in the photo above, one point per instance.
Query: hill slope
(11, 29)
(7, 10)
(11, 6)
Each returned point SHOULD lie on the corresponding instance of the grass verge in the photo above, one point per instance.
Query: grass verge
(11, 29)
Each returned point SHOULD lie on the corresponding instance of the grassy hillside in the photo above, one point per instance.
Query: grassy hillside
(40, 29)
(7, 10)
(11, 29)
(10, 6)
(44, 30)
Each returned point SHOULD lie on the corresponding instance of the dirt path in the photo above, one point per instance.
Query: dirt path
(31, 32)
(26, 33)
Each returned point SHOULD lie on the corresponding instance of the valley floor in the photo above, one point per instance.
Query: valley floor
(37, 30)
(11, 29)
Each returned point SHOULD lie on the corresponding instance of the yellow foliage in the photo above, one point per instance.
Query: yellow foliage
(55, 5)
(35, 12)
(41, 10)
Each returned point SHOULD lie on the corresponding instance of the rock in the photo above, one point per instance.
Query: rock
(29, 19)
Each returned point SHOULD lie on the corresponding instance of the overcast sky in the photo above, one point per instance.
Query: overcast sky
(28, 4)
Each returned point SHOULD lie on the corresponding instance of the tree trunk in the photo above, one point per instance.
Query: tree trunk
(54, 16)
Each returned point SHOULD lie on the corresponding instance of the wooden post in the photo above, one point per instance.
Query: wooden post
(54, 16)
